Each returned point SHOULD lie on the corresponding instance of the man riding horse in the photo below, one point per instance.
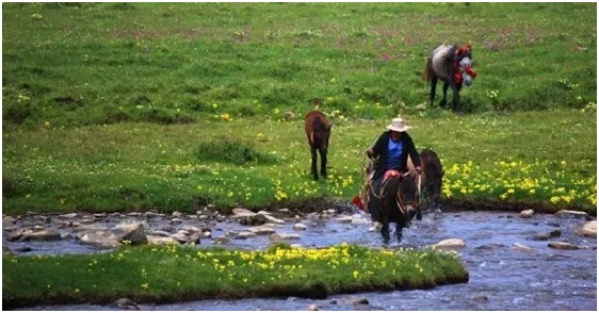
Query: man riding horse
(391, 152)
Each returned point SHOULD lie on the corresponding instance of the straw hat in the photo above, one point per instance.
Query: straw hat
(398, 125)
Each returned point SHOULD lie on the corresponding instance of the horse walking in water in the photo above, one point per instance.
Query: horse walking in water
(399, 203)
(453, 66)
(318, 130)
(431, 177)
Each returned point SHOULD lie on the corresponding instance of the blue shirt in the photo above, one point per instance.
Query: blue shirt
(395, 148)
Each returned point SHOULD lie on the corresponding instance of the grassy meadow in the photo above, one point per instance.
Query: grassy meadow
(168, 107)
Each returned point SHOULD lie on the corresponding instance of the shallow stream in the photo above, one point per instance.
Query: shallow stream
(510, 269)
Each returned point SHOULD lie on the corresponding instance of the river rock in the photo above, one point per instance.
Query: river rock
(69, 215)
(548, 235)
(220, 240)
(160, 233)
(565, 246)
(100, 239)
(521, 247)
(262, 230)
(283, 237)
(243, 212)
(8, 221)
(273, 219)
(161, 240)
(312, 307)
(190, 228)
(245, 235)
(570, 213)
(181, 236)
(527, 213)
(359, 219)
(125, 304)
(43, 235)
(589, 229)
(345, 219)
(299, 226)
(133, 232)
(360, 301)
(450, 244)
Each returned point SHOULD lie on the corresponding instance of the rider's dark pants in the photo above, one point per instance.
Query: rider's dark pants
(373, 203)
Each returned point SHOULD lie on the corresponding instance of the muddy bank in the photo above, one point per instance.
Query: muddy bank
(447, 205)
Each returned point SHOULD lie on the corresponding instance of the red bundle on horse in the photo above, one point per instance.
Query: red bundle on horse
(453, 66)
(318, 131)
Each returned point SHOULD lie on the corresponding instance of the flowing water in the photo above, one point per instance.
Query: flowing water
(510, 269)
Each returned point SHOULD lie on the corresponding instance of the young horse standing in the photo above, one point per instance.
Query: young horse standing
(318, 130)
(453, 66)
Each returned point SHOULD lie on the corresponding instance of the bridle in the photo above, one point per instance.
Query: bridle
(458, 70)
(398, 199)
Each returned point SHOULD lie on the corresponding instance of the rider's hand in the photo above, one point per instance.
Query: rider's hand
(418, 170)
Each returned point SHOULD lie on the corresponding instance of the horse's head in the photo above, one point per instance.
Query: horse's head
(463, 63)
(408, 194)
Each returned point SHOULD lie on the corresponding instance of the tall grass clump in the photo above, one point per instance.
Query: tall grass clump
(232, 150)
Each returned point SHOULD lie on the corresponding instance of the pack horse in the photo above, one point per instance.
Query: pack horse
(453, 66)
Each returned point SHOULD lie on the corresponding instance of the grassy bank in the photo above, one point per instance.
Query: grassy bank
(545, 157)
(155, 106)
(170, 274)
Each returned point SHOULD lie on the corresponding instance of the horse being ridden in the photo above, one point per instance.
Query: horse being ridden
(453, 66)
(318, 131)
(399, 202)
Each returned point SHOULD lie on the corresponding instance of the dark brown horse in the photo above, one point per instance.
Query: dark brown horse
(318, 130)
(453, 66)
(399, 203)
(431, 177)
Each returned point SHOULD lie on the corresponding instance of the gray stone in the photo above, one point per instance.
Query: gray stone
(44, 235)
(589, 229)
(450, 244)
(160, 240)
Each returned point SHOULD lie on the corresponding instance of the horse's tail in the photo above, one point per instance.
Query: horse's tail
(428, 70)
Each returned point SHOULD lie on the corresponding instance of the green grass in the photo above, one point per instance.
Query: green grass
(124, 167)
(158, 106)
(170, 274)
(97, 63)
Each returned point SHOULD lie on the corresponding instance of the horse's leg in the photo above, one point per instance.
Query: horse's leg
(385, 228)
(314, 160)
(456, 98)
(323, 163)
(433, 89)
(444, 100)
(399, 232)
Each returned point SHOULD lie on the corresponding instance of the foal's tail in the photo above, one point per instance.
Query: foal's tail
(428, 70)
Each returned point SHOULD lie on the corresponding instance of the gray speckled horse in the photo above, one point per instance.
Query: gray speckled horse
(453, 66)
